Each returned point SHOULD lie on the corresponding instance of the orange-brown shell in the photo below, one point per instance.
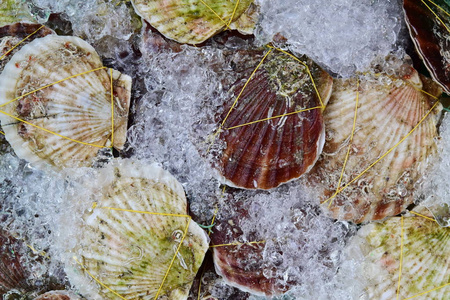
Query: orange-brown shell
(266, 154)
(389, 108)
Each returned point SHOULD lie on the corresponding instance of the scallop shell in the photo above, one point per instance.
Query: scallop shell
(266, 154)
(426, 250)
(13, 277)
(78, 108)
(389, 108)
(428, 23)
(130, 252)
(189, 21)
(12, 11)
(241, 265)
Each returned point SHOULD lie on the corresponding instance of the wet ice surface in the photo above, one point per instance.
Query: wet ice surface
(177, 96)
(434, 189)
(343, 36)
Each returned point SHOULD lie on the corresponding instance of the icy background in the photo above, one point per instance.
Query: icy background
(344, 36)
(176, 96)
(434, 188)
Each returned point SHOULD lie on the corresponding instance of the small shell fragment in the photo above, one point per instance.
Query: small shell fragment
(78, 108)
(265, 154)
(192, 21)
(389, 108)
(424, 258)
(131, 252)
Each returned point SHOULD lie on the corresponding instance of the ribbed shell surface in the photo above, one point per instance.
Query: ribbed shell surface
(130, 252)
(428, 23)
(424, 260)
(78, 108)
(189, 21)
(389, 108)
(266, 154)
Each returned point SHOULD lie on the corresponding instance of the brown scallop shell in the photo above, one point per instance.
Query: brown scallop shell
(12, 274)
(241, 265)
(389, 108)
(431, 36)
(266, 154)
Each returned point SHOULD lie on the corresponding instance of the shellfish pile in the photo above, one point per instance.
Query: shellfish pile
(138, 135)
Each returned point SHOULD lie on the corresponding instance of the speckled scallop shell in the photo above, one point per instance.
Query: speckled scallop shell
(130, 252)
(389, 108)
(425, 266)
(431, 35)
(77, 108)
(266, 154)
(190, 21)
(12, 11)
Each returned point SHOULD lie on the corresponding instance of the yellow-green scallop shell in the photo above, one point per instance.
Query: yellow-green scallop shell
(193, 21)
(131, 252)
(425, 258)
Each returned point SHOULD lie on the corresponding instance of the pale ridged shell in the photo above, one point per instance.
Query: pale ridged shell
(78, 108)
(430, 36)
(12, 11)
(389, 108)
(189, 21)
(131, 252)
(266, 154)
(425, 266)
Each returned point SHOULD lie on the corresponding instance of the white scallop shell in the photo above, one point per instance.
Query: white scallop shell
(77, 108)
(130, 252)
(426, 250)
(389, 108)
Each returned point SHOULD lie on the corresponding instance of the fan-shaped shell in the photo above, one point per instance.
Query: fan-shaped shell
(130, 252)
(428, 23)
(389, 108)
(266, 154)
(189, 21)
(78, 108)
(424, 259)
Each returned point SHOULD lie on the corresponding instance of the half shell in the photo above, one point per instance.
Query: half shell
(389, 108)
(191, 21)
(78, 108)
(266, 154)
(429, 24)
(424, 260)
(131, 252)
